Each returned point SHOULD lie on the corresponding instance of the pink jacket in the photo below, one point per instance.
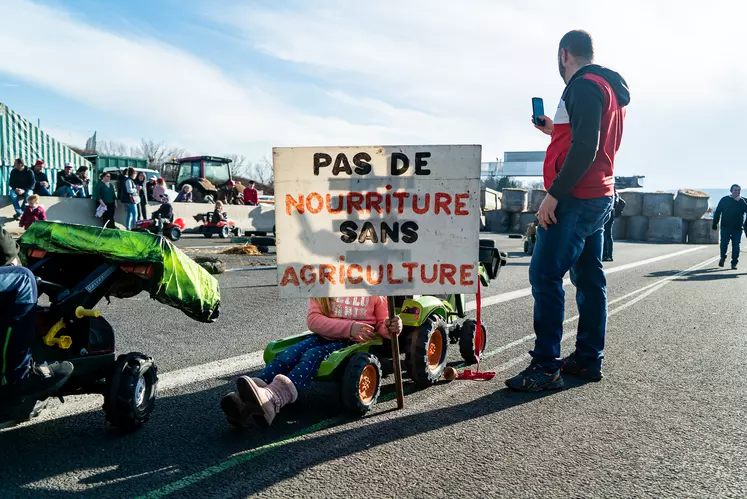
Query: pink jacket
(344, 312)
(30, 216)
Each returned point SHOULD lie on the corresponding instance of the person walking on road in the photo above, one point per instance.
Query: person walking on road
(618, 208)
(579, 177)
(731, 211)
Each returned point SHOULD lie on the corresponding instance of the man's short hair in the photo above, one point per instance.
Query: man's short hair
(731, 189)
(579, 44)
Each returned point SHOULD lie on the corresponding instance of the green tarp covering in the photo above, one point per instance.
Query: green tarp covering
(181, 283)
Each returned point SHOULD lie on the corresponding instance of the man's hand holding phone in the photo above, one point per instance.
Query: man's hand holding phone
(547, 128)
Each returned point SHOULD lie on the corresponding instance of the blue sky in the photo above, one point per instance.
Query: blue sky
(234, 76)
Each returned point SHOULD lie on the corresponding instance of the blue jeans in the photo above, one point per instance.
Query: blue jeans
(68, 192)
(14, 198)
(573, 244)
(608, 241)
(301, 361)
(17, 301)
(131, 215)
(735, 236)
(42, 191)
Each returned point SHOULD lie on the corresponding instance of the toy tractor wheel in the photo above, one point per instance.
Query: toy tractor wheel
(361, 383)
(427, 351)
(487, 243)
(207, 234)
(131, 391)
(175, 233)
(472, 344)
(225, 231)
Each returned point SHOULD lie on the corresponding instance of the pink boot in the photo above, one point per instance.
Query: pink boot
(265, 403)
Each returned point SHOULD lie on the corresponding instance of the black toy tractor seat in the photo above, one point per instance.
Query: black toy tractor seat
(491, 258)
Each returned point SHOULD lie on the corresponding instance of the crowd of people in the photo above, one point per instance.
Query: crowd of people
(134, 190)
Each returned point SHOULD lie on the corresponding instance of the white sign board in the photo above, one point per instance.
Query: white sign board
(377, 220)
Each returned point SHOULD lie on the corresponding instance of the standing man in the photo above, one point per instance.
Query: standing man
(21, 184)
(731, 210)
(251, 196)
(578, 174)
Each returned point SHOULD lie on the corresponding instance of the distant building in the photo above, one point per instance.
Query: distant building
(515, 164)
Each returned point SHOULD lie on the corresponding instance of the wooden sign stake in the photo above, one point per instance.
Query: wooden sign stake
(396, 360)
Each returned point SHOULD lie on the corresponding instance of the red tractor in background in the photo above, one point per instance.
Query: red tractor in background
(209, 176)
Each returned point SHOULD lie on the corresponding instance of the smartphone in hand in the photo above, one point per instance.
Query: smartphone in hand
(538, 109)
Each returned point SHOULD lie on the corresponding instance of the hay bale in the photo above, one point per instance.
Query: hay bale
(515, 200)
(657, 204)
(666, 230)
(618, 228)
(535, 199)
(700, 232)
(636, 228)
(210, 263)
(525, 220)
(633, 203)
(497, 221)
(245, 249)
(514, 225)
(691, 204)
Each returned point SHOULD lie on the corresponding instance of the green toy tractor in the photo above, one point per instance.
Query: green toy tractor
(430, 324)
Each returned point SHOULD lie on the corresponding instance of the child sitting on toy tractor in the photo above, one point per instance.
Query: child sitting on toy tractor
(164, 214)
(21, 377)
(336, 324)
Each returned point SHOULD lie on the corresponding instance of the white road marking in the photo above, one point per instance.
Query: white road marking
(521, 293)
(250, 361)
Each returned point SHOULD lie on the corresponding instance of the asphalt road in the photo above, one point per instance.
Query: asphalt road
(667, 420)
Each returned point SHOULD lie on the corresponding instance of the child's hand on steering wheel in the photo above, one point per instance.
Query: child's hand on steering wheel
(362, 332)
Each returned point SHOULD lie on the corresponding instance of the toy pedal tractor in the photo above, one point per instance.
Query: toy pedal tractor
(430, 324)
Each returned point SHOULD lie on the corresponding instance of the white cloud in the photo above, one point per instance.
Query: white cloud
(421, 71)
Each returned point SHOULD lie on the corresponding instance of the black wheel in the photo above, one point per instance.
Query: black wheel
(487, 243)
(131, 391)
(471, 345)
(427, 351)
(175, 233)
(207, 234)
(236, 232)
(225, 231)
(361, 383)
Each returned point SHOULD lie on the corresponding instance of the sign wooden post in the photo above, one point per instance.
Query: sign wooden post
(398, 389)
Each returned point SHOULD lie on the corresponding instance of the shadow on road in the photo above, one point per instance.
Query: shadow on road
(708, 274)
(188, 434)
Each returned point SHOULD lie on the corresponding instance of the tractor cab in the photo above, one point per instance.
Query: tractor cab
(208, 176)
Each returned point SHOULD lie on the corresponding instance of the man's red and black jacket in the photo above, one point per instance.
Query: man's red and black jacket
(588, 128)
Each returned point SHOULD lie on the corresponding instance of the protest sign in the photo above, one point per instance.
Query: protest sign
(377, 220)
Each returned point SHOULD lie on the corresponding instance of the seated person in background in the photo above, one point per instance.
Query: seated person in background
(18, 295)
(185, 195)
(68, 185)
(218, 215)
(159, 190)
(83, 180)
(42, 181)
(251, 195)
(21, 183)
(33, 212)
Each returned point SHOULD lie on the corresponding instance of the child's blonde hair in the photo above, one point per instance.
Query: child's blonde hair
(187, 188)
(324, 304)
(33, 198)
(219, 204)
